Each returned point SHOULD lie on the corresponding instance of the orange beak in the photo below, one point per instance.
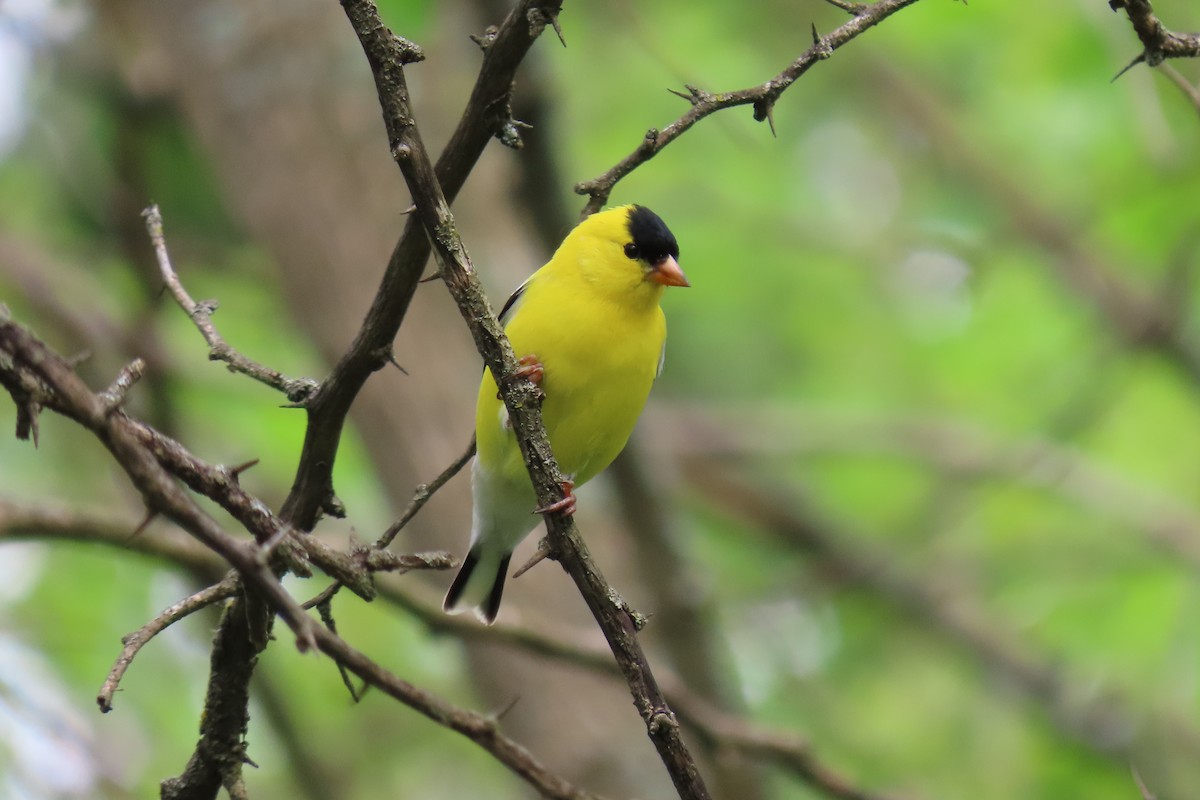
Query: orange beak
(668, 273)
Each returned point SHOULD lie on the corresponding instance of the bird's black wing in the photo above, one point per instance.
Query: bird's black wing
(510, 306)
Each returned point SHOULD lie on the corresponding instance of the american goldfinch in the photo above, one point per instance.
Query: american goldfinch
(587, 326)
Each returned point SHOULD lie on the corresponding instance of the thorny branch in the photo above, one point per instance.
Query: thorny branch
(296, 390)
(482, 119)
(240, 636)
(762, 97)
(487, 114)
(387, 55)
(717, 729)
(1158, 43)
(27, 358)
(134, 642)
(31, 363)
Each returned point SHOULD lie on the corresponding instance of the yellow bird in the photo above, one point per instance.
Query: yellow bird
(589, 329)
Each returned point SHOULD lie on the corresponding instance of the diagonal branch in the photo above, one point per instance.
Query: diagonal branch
(386, 55)
(225, 717)
(483, 117)
(761, 97)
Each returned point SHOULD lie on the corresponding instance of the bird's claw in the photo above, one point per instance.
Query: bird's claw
(566, 506)
(529, 368)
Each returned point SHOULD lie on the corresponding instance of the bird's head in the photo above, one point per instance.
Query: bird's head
(628, 249)
(651, 244)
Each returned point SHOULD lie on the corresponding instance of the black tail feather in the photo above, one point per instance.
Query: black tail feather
(460, 580)
(491, 606)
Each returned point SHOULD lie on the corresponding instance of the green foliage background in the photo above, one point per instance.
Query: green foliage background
(875, 263)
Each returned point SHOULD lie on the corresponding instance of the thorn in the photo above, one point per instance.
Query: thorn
(1141, 57)
(824, 51)
(27, 420)
(80, 357)
(392, 360)
(557, 29)
(538, 19)
(694, 95)
(854, 9)
(485, 41)
(764, 109)
(408, 210)
(437, 276)
(499, 715)
(235, 472)
(248, 760)
(543, 552)
(145, 523)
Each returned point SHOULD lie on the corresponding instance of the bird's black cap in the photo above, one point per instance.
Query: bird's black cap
(651, 235)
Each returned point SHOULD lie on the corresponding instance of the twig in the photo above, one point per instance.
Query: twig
(1143, 789)
(422, 495)
(476, 727)
(420, 498)
(385, 54)
(296, 390)
(159, 490)
(134, 642)
(761, 97)
(1158, 43)
(1190, 90)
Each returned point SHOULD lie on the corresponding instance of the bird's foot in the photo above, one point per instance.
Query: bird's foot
(565, 506)
(529, 367)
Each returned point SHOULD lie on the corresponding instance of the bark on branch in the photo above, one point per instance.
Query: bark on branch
(386, 55)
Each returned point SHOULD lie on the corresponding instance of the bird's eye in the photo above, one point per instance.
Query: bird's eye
(631, 250)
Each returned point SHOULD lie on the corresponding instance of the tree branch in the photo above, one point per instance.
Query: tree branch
(386, 55)
(483, 118)
(762, 97)
(1158, 43)
(134, 642)
(161, 494)
(312, 490)
(716, 728)
(297, 391)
